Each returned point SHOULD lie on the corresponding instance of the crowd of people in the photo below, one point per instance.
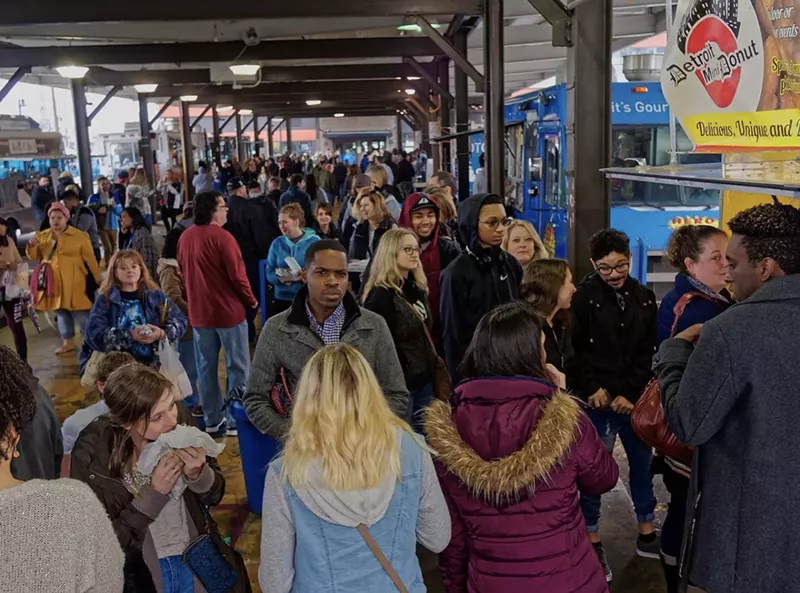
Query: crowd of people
(431, 374)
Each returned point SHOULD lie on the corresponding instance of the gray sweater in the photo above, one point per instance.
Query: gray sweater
(57, 537)
(287, 341)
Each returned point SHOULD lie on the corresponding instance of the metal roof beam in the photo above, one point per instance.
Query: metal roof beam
(287, 88)
(154, 53)
(432, 80)
(161, 111)
(201, 116)
(449, 50)
(559, 17)
(106, 77)
(104, 101)
(12, 82)
(96, 11)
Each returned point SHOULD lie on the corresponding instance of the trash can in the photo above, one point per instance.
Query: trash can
(256, 450)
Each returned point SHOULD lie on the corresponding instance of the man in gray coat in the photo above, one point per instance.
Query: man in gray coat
(734, 396)
(323, 313)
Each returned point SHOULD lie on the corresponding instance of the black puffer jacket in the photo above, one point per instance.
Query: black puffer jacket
(612, 348)
(475, 283)
(358, 246)
(413, 348)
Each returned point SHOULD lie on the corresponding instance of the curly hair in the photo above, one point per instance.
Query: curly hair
(609, 241)
(689, 241)
(770, 231)
(17, 404)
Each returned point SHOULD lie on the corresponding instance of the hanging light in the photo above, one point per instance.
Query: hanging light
(188, 98)
(410, 91)
(338, 115)
(225, 108)
(245, 69)
(412, 77)
(416, 28)
(245, 112)
(72, 72)
(313, 102)
(145, 88)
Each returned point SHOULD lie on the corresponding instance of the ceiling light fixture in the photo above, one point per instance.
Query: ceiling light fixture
(72, 72)
(245, 112)
(313, 102)
(145, 88)
(410, 91)
(338, 115)
(245, 69)
(416, 28)
(225, 108)
(188, 98)
(412, 77)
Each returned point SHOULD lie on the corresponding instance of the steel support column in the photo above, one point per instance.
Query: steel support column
(215, 130)
(589, 73)
(270, 140)
(256, 143)
(288, 121)
(239, 143)
(493, 95)
(82, 135)
(12, 82)
(145, 147)
(458, 57)
(187, 150)
(462, 120)
(445, 114)
(398, 134)
(199, 118)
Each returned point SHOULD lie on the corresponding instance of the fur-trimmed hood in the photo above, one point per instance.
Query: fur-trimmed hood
(517, 432)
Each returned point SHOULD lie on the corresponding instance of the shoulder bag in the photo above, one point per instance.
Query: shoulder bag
(279, 394)
(442, 386)
(376, 550)
(42, 280)
(649, 419)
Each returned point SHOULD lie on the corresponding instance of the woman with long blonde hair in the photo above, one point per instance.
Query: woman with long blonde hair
(351, 471)
(397, 290)
(130, 313)
(138, 193)
(380, 181)
(523, 242)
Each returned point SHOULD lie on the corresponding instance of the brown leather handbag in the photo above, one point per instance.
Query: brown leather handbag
(649, 419)
(442, 386)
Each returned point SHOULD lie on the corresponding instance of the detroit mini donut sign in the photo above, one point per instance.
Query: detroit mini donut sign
(732, 74)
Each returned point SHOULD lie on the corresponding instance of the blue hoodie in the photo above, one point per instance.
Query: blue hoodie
(280, 249)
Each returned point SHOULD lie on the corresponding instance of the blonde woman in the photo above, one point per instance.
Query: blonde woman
(138, 194)
(523, 242)
(348, 462)
(397, 290)
(380, 181)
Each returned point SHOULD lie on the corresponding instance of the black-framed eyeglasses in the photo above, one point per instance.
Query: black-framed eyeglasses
(408, 250)
(619, 268)
(492, 223)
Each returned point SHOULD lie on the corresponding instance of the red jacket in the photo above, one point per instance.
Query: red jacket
(217, 288)
(512, 457)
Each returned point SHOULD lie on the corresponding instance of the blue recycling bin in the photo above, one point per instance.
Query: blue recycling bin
(256, 450)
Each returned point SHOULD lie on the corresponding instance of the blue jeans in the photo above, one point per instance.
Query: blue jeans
(189, 362)
(207, 343)
(176, 575)
(420, 399)
(609, 424)
(66, 320)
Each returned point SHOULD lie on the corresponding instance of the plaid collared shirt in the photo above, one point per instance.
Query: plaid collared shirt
(330, 331)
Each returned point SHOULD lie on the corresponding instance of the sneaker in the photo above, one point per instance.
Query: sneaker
(651, 549)
(601, 556)
(231, 429)
(218, 431)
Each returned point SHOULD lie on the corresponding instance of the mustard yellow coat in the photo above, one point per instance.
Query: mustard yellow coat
(74, 255)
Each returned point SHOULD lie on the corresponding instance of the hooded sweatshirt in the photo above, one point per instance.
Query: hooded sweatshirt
(436, 252)
(476, 282)
(281, 248)
(316, 526)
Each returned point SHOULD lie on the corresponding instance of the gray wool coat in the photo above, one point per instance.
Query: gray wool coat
(288, 341)
(736, 397)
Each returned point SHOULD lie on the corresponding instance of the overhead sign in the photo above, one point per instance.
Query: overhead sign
(732, 73)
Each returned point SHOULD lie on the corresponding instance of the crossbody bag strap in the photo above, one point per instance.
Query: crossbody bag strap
(376, 550)
(424, 325)
(52, 254)
(680, 306)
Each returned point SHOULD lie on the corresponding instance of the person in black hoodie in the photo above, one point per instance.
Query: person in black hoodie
(274, 192)
(614, 338)
(481, 278)
(396, 289)
(243, 224)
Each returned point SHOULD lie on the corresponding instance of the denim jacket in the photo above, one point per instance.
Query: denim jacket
(103, 335)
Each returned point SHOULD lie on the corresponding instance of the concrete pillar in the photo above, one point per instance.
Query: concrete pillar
(82, 136)
(588, 192)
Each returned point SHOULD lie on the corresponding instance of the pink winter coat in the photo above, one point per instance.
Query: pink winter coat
(513, 455)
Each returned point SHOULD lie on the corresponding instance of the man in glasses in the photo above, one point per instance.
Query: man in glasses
(482, 277)
(614, 339)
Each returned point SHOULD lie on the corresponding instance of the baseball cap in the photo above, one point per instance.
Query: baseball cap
(424, 202)
(235, 184)
(123, 174)
(363, 181)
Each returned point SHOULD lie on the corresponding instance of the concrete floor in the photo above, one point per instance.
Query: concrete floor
(618, 528)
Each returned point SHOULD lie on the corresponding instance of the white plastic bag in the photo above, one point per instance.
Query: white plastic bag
(173, 370)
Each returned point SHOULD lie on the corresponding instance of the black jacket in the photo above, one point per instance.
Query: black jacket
(243, 224)
(357, 242)
(474, 284)
(294, 195)
(413, 348)
(275, 196)
(333, 231)
(557, 343)
(612, 348)
(266, 212)
(405, 172)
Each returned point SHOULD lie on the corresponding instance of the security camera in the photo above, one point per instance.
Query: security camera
(251, 38)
